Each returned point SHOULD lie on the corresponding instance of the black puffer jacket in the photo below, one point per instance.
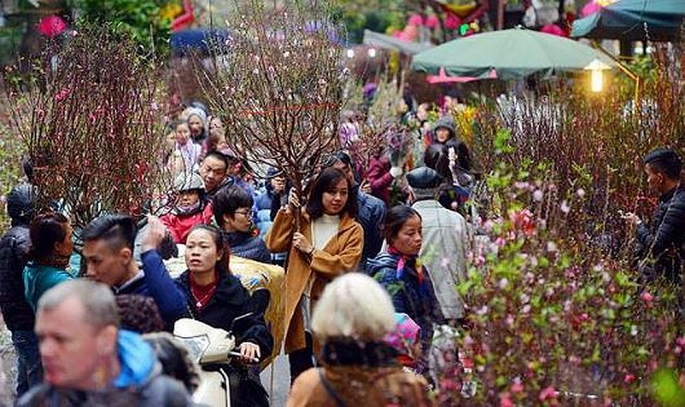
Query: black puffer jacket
(460, 148)
(664, 239)
(14, 246)
(230, 301)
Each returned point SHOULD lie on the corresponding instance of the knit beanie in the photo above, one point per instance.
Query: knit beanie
(196, 111)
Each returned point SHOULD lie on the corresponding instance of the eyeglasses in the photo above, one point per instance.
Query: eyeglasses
(247, 214)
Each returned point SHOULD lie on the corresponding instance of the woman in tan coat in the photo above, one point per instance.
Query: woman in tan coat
(351, 320)
(328, 244)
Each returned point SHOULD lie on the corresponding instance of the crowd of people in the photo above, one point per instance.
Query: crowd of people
(350, 338)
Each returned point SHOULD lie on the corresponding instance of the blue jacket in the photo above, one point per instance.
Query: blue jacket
(263, 203)
(158, 284)
(246, 245)
(137, 360)
(371, 216)
(416, 300)
(140, 383)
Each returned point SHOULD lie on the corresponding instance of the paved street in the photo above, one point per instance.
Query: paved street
(276, 380)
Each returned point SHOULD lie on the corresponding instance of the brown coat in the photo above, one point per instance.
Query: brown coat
(341, 255)
(360, 387)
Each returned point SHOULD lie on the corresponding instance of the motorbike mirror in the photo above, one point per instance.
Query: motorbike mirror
(237, 320)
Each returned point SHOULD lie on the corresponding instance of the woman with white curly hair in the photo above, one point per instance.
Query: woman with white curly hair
(358, 369)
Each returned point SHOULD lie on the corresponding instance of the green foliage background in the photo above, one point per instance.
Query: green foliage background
(11, 150)
(140, 19)
(375, 15)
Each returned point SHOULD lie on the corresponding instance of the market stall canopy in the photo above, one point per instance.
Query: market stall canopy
(395, 44)
(442, 77)
(634, 20)
(511, 54)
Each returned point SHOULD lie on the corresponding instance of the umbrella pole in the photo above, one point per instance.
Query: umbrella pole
(500, 14)
(632, 75)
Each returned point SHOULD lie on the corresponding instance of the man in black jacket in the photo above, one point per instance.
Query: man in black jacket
(16, 312)
(660, 245)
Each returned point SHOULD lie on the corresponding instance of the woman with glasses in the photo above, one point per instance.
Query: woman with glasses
(328, 244)
(233, 214)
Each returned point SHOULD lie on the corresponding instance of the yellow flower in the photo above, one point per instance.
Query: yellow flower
(170, 11)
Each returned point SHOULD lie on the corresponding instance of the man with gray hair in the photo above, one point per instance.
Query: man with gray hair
(88, 360)
(445, 236)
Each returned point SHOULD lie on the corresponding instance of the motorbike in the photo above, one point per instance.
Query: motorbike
(214, 350)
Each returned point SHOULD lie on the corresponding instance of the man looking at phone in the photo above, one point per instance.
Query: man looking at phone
(660, 244)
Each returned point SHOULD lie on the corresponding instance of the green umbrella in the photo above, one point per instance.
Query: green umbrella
(511, 54)
(634, 20)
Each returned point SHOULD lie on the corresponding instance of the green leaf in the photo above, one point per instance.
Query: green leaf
(667, 390)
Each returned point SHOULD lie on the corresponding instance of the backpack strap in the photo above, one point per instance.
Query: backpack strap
(329, 388)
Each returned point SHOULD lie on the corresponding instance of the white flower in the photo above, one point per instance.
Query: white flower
(580, 192)
(256, 71)
(567, 305)
(565, 208)
(537, 195)
(503, 283)
(286, 54)
(552, 247)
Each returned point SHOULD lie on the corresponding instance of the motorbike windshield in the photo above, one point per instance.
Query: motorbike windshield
(197, 346)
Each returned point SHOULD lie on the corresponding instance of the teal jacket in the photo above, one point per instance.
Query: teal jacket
(39, 278)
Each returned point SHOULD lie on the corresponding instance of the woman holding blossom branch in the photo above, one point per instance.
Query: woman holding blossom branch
(328, 244)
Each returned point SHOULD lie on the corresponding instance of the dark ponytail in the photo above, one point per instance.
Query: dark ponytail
(46, 230)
